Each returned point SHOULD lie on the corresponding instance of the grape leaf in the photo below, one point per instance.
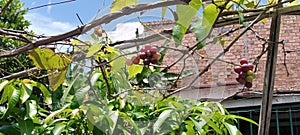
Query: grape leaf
(118, 64)
(177, 34)
(210, 14)
(203, 26)
(134, 70)
(185, 15)
(119, 4)
(93, 49)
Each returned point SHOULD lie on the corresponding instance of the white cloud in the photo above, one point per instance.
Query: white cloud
(125, 31)
(43, 25)
(49, 7)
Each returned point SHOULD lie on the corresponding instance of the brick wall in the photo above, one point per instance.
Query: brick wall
(247, 46)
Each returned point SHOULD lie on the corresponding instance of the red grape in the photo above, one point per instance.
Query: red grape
(243, 61)
(153, 60)
(153, 50)
(245, 67)
(250, 66)
(248, 84)
(147, 61)
(149, 54)
(157, 55)
(147, 47)
(135, 60)
(243, 75)
(142, 55)
(238, 69)
(241, 80)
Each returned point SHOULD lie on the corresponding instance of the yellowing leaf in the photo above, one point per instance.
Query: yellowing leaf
(75, 42)
(134, 70)
(40, 57)
(111, 50)
(294, 3)
(119, 4)
(46, 59)
(57, 79)
(264, 20)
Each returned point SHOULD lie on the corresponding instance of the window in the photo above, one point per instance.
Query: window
(285, 119)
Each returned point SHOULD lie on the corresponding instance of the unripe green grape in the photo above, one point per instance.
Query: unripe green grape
(249, 78)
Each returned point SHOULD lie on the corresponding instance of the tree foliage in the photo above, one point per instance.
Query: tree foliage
(13, 18)
(92, 91)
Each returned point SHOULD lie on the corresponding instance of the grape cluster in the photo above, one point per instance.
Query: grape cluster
(246, 74)
(149, 54)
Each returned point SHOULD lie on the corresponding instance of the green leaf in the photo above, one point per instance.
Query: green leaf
(120, 82)
(202, 27)
(134, 70)
(232, 129)
(199, 125)
(26, 126)
(26, 91)
(177, 35)
(118, 64)
(93, 49)
(242, 19)
(215, 127)
(10, 130)
(161, 119)
(210, 14)
(190, 128)
(6, 93)
(119, 4)
(133, 124)
(50, 117)
(114, 119)
(185, 14)
(46, 93)
(3, 84)
(31, 108)
(81, 93)
(231, 116)
(56, 79)
(13, 98)
(139, 115)
(58, 128)
(198, 29)
(196, 4)
(66, 92)
(154, 79)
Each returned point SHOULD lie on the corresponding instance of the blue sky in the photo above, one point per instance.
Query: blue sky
(61, 18)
